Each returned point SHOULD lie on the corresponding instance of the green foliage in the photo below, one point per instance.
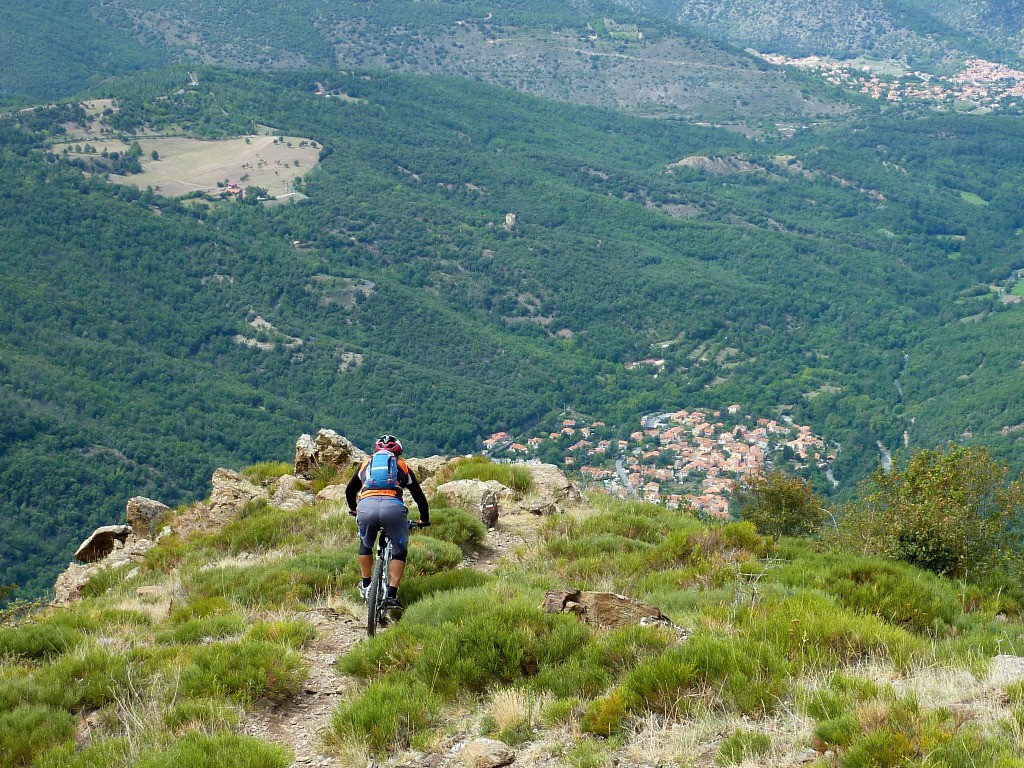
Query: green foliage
(200, 714)
(286, 582)
(513, 476)
(29, 729)
(454, 525)
(33, 641)
(221, 750)
(244, 671)
(779, 505)
(742, 745)
(202, 630)
(291, 633)
(260, 527)
(263, 471)
(949, 511)
(387, 713)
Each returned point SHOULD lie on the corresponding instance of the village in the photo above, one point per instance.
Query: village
(981, 85)
(686, 458)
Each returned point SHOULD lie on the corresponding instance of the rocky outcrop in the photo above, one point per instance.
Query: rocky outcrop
(291, 493)
(231, 492)
(327, 448)
(102, 542)
(485, 753)
(604, 610)
(144, 516)
(485, 499)
(551, 486)
(123, 553)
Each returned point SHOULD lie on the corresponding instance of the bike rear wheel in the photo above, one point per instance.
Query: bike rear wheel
(376, 596)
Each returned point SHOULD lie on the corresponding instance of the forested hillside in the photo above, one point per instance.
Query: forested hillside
(60, 47)
(803, 276)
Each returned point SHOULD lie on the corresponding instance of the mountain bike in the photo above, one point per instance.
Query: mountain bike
(376, 611)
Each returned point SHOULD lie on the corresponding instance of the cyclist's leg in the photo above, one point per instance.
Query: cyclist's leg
(369, 522)
(394, 518)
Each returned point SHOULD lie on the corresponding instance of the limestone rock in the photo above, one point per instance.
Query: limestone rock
(68, 587)
(328, 447)
(544, 508)
(483, 498)
(486, 753)
(290, 494)
(605, 610)
(231, 492)
(102, 542)
(551, 485)
(332, 493)
(144, 516)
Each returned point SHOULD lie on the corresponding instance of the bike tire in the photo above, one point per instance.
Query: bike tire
(375, 597)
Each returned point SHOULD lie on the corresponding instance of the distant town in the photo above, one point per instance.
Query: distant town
(679, 459)
(980, 86)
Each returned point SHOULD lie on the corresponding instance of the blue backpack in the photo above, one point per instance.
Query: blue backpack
(382, 473)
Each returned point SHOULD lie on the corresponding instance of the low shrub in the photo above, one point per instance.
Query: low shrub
(243, 671)
(200, 608)
(454, 526)
(387, 713)
(202, 630)
(416, 588)
(206, 715)
(106, 579)
(221, 750)
(429, 556)
(291, 633)
(261, 527)
(30, 729)
(290, 582)
(742, 745)
(514, 476)
(96, 753)
(89, 676)
(38, 641)
(261, 472)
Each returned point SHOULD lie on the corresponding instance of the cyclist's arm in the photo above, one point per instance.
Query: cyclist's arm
(352, 492)
(420, 498)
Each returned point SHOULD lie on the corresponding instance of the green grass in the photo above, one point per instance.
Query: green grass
(1018, 288)
(513, 476)
(972, 199)
(264, 471)
(742, 745)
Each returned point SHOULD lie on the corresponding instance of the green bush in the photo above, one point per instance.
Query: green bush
(840, 731)
(222, 750)
(105, 579)
(291, 633)
(37, 641)
(742, 745)
(454, 526)
(202, 630)
(514, 476)
(429, 556)
(244, 671)
(948, 511)
(30, 729)
(416, 588)
(779, 505)
(261, 472)
(290, 582)
(97, 753)
(261, 527)
(387, 713)
(200, 608)
(89, 676)
(207, 715)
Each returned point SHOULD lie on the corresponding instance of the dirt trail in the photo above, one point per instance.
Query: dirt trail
(300, 723)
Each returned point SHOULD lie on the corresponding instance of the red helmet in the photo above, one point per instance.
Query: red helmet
(388, 443)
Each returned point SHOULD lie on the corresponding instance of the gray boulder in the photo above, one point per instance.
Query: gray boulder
(144, 516)
(102, 542)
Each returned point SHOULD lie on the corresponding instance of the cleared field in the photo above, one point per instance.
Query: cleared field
(189, 165)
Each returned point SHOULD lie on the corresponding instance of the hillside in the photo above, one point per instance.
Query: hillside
(236, 639)
(794, 277)
(921, 34)
(597, 54)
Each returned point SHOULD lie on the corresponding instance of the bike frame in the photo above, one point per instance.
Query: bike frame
(376, 613)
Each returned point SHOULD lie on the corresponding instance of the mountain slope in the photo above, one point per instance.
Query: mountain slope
(792, 278)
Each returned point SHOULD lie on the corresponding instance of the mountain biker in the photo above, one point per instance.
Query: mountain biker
(375, 509)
